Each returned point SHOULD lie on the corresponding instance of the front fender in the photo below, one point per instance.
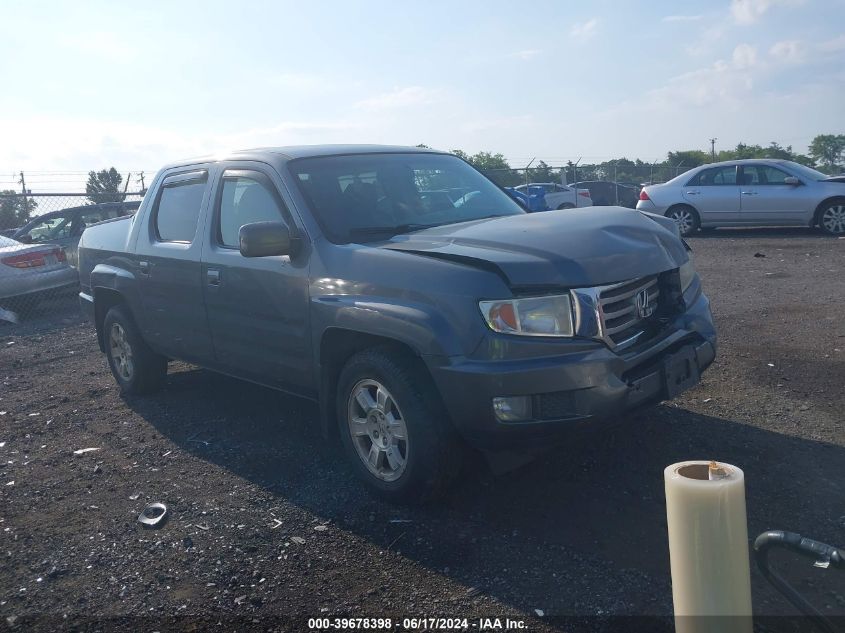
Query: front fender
(421, 327)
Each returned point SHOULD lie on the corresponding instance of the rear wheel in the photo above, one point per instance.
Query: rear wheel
(831, 217)
(566, 205)
(136, 368)
(686, 217)
(394, 428)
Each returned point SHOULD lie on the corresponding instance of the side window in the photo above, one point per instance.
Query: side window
(750, 175)
(55, 228)
(246, 197)
(177, 211)
(725, 176)
(715, 177)
(771, 176)
(696, 180)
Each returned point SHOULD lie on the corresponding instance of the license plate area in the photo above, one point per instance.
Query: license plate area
(680, 371)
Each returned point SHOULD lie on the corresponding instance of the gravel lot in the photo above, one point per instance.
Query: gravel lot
(267, 522)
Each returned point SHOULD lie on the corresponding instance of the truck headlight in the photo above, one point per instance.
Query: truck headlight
(687, 273)
(533, 316)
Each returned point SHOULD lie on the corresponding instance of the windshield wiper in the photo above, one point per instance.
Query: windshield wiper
(388, 231)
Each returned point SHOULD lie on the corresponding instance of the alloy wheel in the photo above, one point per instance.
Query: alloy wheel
(378, 430)
(121, 352)
(833, 219)
(684, 219)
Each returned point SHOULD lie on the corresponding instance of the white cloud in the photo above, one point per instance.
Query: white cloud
(681, 18)
(749, 11)
(399, 98)
(58, 143)
(525, 55)
(833, 46)
(584, 30)
(788, 52)
(744, 56)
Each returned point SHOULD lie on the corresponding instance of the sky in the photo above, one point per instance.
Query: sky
(89, 85)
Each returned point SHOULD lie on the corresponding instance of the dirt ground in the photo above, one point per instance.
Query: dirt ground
(267, 526)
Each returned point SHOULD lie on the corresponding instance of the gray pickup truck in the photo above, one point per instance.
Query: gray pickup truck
(410, 296)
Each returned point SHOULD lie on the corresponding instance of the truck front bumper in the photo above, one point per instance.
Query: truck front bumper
(574, 390)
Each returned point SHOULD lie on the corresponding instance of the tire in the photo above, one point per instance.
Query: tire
(831, 216)
(686, 217)
(566, 205)
(404, 447)
(136, 368)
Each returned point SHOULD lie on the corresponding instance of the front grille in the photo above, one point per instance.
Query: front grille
(627, 309)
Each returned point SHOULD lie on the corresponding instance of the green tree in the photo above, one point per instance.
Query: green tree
(104, 186)
(494, 166)
(13, 211)
(541, 173)
(828, 150)
(688, 158)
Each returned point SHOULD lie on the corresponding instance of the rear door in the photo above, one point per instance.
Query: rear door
(169, 269)
(257, 307)
(715, 194)
(767, 199)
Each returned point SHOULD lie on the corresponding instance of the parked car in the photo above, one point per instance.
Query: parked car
(323, 271)
(754, 192)
(532, 199)
(65, 227)
(605, 193)
(29, 271)
(559, 196)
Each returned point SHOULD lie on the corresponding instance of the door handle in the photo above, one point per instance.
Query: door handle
(693, 193)
(144, 268)
(213, 277)
(749, 193)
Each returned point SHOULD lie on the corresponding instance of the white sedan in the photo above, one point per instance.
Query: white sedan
(27, 271)
(560, 196)
(754, 192)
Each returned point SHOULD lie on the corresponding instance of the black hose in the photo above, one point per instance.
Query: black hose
(805, 547)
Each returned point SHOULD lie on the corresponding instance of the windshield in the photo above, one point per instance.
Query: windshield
(807, 172)
(367, 197)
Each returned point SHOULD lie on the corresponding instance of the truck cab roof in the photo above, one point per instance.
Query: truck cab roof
(291, 152)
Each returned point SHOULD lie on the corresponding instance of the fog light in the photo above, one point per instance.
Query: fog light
(513, 408)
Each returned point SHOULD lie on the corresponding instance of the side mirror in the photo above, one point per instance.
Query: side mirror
(791, 180)
(26, 238)
(263, 239)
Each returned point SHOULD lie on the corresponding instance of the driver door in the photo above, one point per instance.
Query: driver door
(257, 307)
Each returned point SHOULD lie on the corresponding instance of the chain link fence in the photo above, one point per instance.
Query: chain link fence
(634, 175)
(39, 238)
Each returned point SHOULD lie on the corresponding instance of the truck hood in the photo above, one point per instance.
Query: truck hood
(572, 248)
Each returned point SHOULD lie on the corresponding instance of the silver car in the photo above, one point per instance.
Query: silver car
(28, 271)
(755, 192)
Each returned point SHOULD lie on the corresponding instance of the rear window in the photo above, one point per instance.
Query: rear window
(178, 211)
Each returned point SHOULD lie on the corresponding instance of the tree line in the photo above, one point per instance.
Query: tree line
(826, 153)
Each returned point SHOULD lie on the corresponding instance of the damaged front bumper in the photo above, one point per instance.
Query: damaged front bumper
(570, 384)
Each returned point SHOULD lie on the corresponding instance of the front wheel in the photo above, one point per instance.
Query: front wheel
(394, 428)
(136, 368)
(831, 218)
(686, 218)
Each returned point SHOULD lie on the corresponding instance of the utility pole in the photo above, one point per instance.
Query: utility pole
(126, 186)
(526, 174)
(713, 149)
(143, 189)
(25, 201)
(575, 179)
